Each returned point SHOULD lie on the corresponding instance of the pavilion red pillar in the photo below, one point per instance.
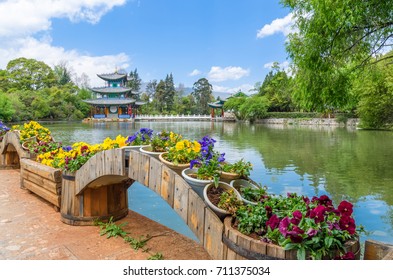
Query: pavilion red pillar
(222, 112)
(212, 114)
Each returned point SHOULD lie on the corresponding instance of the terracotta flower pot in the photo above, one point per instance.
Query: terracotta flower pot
(175, 167)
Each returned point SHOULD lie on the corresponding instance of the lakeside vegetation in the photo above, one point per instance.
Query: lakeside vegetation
(341, 63)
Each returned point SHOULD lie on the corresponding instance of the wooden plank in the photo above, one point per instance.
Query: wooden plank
(133, 165)
(155, 175)
(168, 184)
(119, 162)
(231, 255)
(180, 198)
(47, 172)
(43, 193)
(375, 250)
(196, 215)
(244, 242)
(49, 185)
(143, 169)
(213, 235)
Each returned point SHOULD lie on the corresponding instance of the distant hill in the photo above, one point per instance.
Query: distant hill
(188, 90)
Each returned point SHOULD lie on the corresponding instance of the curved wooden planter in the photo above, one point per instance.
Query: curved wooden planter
(101, 200)
(241, 246)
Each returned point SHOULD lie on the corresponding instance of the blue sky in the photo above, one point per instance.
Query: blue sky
(229, 42)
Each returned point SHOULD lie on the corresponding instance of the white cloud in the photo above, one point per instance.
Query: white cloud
(195, 72)
(284, 66)
(218, 74)
(21, 20)
(51, 55)
(280, 25)
(244, 88)
(26, 17)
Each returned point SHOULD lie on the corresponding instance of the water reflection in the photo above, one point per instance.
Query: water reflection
(343, 163)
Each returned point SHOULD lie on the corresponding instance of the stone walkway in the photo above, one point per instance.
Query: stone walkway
(30, 229)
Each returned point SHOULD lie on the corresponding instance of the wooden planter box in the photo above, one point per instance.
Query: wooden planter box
(44, 181)
(239, 246)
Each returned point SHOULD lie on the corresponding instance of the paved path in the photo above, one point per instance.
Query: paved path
(30, 229)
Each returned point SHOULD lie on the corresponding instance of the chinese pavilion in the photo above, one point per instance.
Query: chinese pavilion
(218, 104)
(113, 100)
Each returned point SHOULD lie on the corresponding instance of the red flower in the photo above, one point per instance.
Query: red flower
(297, 216)
(318, 213)
(348, 224)
(295, 234)
(273, 222)
(283, 226)
(345, 208)
(346, 256)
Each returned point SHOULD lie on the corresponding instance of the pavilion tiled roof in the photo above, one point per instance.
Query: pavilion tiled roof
(110, 101)
(112, 76)
(110, 89)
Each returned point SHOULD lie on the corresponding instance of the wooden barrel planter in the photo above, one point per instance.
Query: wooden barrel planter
(102, 199)
(238, 246)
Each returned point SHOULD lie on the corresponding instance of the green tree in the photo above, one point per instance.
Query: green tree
(151, 88)
(159, 96)
(134, 82)
(203, 94)
(170, 92)
(6, 108)
(29, 74)
(374, 87)
(254, 107)
(277, 87)
(63, 74)
(234, 103)
(335, 38)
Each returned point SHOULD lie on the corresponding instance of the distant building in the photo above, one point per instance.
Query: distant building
(217, 105)
(115, 99)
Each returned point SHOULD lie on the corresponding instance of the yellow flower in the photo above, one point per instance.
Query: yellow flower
(197, 146)
(180, 145)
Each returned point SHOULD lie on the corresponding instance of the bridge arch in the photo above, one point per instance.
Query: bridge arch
(104, 179)
(11, 151)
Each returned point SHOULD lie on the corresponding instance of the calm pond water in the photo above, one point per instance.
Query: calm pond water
(345, 164)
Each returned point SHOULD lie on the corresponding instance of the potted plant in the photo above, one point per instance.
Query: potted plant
(222, 198)
(140, 138)
(312, 229)
(160, 143)
(250, 193)
(206, 168)
(179, 156)
(238, 169)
